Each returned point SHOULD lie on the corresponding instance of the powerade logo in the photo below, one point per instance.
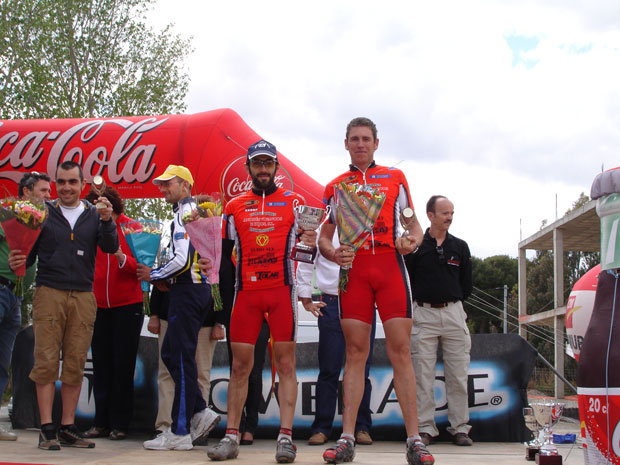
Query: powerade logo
(489, 396)
(276, 204)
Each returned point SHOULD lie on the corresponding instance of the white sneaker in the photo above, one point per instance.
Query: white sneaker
(169, 441)
(6, 435)
(202, 423)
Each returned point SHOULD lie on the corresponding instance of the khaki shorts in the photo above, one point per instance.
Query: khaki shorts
(61, 319)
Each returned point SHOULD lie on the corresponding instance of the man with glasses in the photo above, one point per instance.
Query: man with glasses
(34, 187)
(64, 306)
(441, 278)
(189, 298)
(261, 224)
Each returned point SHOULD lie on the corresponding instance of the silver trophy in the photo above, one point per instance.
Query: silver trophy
(533, 447)
(407, 217)
(547, 415)
(98, 186)
(308, 219)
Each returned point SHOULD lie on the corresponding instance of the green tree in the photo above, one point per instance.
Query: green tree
(88, 58)
(154, 209)
(485, 306)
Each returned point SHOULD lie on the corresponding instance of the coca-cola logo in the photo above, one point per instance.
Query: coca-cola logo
(235, 179)
(88, 144)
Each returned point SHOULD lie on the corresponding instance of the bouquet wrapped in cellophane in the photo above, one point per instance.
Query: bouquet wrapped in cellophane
(22, 221)
(357, 209)
(143, 238)
(204, 227)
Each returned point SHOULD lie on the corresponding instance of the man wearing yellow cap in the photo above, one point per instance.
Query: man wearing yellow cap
(189, 298)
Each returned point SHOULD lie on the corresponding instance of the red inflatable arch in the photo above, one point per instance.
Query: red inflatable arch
(130, 151)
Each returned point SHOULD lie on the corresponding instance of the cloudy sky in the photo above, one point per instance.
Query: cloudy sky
(503, 106)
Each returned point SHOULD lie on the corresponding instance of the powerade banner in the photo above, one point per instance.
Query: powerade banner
(129, 152)
(498, 376)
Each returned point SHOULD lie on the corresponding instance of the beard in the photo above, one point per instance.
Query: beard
(263, 184)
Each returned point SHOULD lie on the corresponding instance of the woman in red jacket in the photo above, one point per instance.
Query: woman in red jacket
(117, 331)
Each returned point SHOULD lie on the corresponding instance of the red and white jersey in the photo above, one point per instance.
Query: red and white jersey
(263, 226)
(390, 181)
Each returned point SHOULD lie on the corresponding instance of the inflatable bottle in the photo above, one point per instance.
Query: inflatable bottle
(598, 374)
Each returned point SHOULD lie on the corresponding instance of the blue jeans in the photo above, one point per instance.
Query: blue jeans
(10, 322)
(331, 359)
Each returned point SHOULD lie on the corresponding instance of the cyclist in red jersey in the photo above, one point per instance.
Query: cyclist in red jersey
(378, 278)
(262, 224)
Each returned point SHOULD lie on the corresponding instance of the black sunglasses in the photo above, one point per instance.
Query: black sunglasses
(440, 255)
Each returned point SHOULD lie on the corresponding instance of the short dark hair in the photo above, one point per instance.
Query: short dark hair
(69, 165)
(430, 205)
(28, 181)
(118, 205)
(362, 121)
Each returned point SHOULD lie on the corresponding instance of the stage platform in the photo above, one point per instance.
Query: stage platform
(131, 452)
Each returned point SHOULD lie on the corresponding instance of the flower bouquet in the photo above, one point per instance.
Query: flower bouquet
(21, 221)
(143, 237)
(204, 227)
(357, 209)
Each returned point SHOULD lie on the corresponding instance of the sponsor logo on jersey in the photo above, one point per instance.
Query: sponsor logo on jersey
(250, 202)
(373, 176)
(179, 236)
(262, 240)
(276, 204)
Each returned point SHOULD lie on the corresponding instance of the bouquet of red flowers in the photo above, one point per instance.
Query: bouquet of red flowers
(204, 227)
(21, 221)
(143, 238)
(357, 209)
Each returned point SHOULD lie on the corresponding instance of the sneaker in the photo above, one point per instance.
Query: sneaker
(6, 435)
(48, 439)
(70, 436)
(363, 438)
(418, 454)
(286, 451)
(427, 439)
(224, 450)
(202, 423)
(169, 441)
(462, 439)
(317, 439)
(343, 452)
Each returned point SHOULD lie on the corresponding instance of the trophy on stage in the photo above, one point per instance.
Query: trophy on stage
(99, 186)
(546, 415)
(308, 219)
(533, 447)
(407, 217)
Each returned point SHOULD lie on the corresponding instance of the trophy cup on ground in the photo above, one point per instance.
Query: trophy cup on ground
(547, 415)
(407, 216)
(533, 447)
(99, 186)
(308, 219)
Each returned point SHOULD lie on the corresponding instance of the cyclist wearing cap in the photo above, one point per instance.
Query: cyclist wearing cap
(262, 224)
(189, 299)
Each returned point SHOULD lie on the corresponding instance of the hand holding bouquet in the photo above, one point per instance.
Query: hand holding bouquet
(204, 227)
(143, 238)
(357, 209)
(22, 221)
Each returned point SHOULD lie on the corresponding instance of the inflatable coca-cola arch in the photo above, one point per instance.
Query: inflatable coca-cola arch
(130, 151)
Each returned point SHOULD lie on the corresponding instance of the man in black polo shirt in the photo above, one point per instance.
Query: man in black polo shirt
(441, 278)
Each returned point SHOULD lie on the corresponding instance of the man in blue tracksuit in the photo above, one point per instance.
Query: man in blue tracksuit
(189, 299)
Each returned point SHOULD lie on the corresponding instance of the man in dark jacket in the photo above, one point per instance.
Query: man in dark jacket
(64, 306)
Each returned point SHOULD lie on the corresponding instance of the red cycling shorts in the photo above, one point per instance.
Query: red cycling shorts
(276, 304)
(379, 279)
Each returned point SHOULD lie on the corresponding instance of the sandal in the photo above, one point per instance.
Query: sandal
(97, 432)
(117, 435)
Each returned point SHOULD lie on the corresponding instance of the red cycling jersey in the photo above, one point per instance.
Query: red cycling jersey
(390, 181)
(263, 226)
